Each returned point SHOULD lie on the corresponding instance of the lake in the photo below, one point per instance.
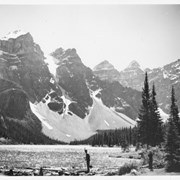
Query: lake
(23, 156)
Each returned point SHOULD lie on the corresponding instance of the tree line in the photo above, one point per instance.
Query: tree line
(27, 132)
(119, 137)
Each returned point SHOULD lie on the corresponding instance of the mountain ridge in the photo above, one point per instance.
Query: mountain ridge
(163, 78)
(62, 104)
(63, 99)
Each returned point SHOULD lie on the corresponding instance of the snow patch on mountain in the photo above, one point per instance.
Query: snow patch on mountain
(178, 68)
(63, 127)
(67, 102)
(52, 64)
(52, 81)
(68, 127)
(94, 93)
(13, 35)
(177, 81)
(68, 135)
(170, 76)
(40, 117)
(107, 122)
(106, 68)
(101, 117)
(124, 103)
(176, 65)
(173, 77)
(165, 74)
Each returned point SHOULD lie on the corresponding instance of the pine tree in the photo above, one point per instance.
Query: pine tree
(144, 114)
(173, 138)
(175, 111)
(130, 136)
(156, 134)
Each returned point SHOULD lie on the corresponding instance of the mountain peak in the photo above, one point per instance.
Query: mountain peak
(104, 65)
(13, 35)
(68, 54)
(133, 64)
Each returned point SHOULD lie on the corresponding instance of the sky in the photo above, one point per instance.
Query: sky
(119, 33)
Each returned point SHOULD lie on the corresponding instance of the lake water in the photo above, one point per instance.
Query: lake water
(59, 156)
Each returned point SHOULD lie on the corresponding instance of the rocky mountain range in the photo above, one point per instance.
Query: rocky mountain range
(47, 100)
(133, 76)
(56, 99)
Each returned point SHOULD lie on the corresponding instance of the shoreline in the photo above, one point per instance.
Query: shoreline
(65, 172)
(129, 157)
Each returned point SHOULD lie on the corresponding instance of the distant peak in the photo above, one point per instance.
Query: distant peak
(14, 34)
(104, 65)
(68, 54)
(61, 51)
(105, 62)
(133, 64)
(147, 70)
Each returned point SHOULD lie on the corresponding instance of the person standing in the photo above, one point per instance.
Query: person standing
(150, 155)
(41, 171)
(87, 160)
(11, 172)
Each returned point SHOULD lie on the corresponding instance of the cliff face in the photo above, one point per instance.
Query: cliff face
(78, 80)
(23, 62)
(73, 76)
(24, 77)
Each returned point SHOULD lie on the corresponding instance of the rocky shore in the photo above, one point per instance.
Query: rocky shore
(53, 171)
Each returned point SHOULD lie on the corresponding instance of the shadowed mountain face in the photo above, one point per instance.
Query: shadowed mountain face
(23, 63)
(78, 80)
(24, 77)
(73, 77)
(71, 104)
(133, 77)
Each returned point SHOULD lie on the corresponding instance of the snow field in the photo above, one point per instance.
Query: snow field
(67, 128)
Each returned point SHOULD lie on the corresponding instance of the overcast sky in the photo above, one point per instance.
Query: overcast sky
(149, 34)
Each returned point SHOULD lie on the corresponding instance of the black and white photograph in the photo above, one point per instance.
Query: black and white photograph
(89, 88)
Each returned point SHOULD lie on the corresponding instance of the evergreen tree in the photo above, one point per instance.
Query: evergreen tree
(156, 134)
(175, 111)
(173, 138)
(144, 115)
(130, 136)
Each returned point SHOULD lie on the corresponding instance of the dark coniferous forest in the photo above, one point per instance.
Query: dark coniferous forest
(150, 130)
(119, 137)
